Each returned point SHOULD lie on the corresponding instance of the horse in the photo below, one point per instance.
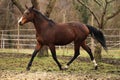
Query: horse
(50, 33)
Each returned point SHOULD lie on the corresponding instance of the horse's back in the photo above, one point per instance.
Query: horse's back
(76, 27)
(68, 32)
(80, 30)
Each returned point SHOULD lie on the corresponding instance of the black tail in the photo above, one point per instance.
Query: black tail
(98, 35)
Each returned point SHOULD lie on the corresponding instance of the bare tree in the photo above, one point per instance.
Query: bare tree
(102, 19)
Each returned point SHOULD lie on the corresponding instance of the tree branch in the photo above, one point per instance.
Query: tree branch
(97, 2)
(110, 1)
(114, 14)
(82, 3)
(35, 3)
(18, 5)
(103, 14)
(49, 8)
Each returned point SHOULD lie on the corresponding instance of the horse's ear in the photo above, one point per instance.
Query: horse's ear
(26, 6)
(32, 6)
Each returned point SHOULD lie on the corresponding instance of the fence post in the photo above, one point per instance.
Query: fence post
(119, 40)
(92, 40)
(18, 39)
(1, 43)
(2, 40)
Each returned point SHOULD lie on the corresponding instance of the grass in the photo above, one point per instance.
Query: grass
(12, 61)
(26, 51)
(48, 64)
(66, 52)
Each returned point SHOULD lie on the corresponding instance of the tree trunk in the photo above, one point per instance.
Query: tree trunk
(43, 52)
(96, 49)
(35, 3)
(98, 52)
(50, 7)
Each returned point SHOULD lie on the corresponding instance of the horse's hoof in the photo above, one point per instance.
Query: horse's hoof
(65, 67)
(61, 69)
(96, 67)
(28, 68)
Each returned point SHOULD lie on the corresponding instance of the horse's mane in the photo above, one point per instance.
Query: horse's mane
(49, 20)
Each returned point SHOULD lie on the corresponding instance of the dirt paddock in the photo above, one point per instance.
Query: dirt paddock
(12, 75)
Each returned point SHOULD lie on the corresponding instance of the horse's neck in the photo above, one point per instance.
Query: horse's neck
(40, 25)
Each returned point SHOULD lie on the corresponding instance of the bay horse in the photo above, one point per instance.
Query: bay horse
(50, 33)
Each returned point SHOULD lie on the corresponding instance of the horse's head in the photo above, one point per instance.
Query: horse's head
(27, 16)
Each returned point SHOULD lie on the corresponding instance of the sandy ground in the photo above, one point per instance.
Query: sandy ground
(12, 75)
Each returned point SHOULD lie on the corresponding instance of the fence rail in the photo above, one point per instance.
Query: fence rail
(25, 38)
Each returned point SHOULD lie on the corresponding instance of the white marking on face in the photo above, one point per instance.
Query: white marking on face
(27, 11)
(20, 20)
(94, 62)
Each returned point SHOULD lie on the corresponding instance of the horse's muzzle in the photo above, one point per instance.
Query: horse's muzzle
(20, 23)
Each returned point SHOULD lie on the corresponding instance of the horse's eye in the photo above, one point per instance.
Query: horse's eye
(27, 13)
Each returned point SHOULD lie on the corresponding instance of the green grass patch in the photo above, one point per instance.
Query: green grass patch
(66, 52)
(11, 60)
(26, 51)
(19, 63)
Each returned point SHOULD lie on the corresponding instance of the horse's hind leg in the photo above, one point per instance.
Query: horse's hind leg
(76, 54)
(85, 47)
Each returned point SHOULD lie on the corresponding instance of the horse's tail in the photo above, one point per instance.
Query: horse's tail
(98, 35)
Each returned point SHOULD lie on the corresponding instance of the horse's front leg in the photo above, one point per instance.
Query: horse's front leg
(53, 51)
(38, 47)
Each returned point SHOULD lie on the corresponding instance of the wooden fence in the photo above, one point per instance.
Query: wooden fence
(25, 38)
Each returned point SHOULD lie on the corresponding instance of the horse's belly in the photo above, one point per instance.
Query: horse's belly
(62, 43)
(64, 37)
(63, 40)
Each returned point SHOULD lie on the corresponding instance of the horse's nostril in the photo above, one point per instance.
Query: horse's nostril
(20, 23)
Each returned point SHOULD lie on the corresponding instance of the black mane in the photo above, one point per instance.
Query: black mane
(38, 12)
